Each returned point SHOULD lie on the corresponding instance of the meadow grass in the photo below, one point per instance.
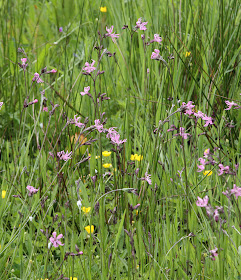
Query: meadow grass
(129, 229)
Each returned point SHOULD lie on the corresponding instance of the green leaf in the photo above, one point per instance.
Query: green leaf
(12, 56)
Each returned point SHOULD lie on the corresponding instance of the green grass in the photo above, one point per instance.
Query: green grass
(155, 242)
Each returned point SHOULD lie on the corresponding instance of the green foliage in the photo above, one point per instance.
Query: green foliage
(152, 241)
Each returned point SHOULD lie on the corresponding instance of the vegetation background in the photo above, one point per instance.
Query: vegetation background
(167, 236)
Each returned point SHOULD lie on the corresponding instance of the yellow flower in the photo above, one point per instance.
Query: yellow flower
(132, 157)
(86, 210)
(187, 54)
(103, 9)
(106, 154)
(107, 165)
(90, 229)
(136, 157)
(3, 194)
(208, 173)
(139, 158)
(74, 278)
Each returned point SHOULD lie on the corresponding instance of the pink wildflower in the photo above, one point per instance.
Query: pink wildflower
(31, 190)
(111, 132)
(231, 104)
(189, 105)
(155, 54)
(147, 178)
(214, 253)
(157, 38)
(189, 112)
(37, 78)
(64, 156)
(223, 169)
(183, 134)
(45, 109)
(32, 102)
(206, 153)
(55, 240)
(110, 34)
(53, 71)
(86, 91)
(98, 125)
(115, 139)
(202, 202)
(1, 104)
(236, 191)
(61, 29)
(199, 114)
(208, 120)
(76, 121)
(89, 67)
(202, 160)
(227, 193)
(24, 60)
(141, 25)
(201, 168)
(216, 215)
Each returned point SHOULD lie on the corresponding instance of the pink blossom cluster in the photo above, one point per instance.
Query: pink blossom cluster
(24, 65)
(223, 169)
(98, 125)
(31, 190)
(114, 136)
(208, 159)
(189, 110)
(76, 121)
(236, 191)
(214, 213)
(156, 54)
(214, 253)
(111, 34)
(86, 91)
(37, 78)
(89, 68)
(147, 178)
(181, 133)
(157, 39)
(64, 156)
(141, 25)
(55, 240)
(231, 104)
